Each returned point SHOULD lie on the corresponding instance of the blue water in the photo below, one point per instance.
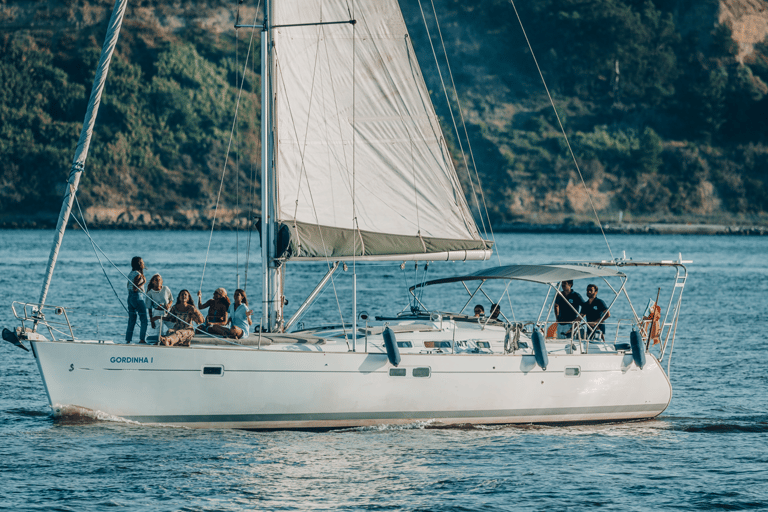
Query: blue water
(707, 451)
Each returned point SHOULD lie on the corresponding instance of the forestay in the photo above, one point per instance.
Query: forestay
(355, 119)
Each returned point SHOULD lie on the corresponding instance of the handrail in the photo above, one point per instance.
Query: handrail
(35, 313)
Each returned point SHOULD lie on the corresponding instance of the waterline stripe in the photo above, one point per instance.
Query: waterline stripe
(395, 415)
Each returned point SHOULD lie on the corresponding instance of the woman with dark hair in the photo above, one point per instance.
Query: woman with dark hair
(136, 306)
(183, 313)
(239, 316)
(217, 309)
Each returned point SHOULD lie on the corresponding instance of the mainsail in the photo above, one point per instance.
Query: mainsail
(362, 167)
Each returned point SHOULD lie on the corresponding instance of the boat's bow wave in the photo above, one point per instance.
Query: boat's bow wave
(74, 414)
(415, 425)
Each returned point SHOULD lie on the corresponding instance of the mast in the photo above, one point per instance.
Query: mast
(81, 152)
(272, 300)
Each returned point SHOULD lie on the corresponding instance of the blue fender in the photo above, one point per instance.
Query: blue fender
(393, 352)
(638, 348)
(539, 349)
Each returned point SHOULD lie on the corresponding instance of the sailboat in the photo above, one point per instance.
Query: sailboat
(356, 169)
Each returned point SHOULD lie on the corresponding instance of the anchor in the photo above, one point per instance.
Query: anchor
(13, 338)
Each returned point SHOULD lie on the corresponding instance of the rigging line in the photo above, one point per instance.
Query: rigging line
(226, 158)
(93, 242)
(355, 225)
(338, 122)
(311, 197)
(303, 151)
(93, 245)
(346, 164)
(466, 133)
(562, 129)
(252, 189)
(237, 163)
(452, 179)
(453, 119)
(405, 280)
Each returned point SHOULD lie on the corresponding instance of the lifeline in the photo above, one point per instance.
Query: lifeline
(128, 359)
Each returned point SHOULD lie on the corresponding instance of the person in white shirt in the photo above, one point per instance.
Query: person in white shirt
(159, 301)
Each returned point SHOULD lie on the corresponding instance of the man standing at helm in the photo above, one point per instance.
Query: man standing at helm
(567, 306)
(595, 311)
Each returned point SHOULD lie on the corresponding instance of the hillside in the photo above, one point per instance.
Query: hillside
(664, 103)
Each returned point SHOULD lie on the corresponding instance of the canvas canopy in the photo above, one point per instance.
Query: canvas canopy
(544, 274)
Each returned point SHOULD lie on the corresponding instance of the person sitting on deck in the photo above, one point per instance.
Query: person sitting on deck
(495, 311)
(566, 308)
(183, 313)
(479, 311)
(595, 312)
(239, 316)
(217, 308)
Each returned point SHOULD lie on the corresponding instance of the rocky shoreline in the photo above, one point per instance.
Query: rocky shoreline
(227, 220)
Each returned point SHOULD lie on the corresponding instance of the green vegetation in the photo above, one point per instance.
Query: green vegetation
(162, 131)
(664, 121)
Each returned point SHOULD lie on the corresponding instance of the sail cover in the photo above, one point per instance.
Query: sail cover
(361, 163)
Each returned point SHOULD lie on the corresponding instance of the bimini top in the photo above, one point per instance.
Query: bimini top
(544, 274)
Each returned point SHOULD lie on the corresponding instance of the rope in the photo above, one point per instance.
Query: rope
(466, 135)
(252, 191)
(93, 246)
(237, 161)
(562, 129)
(453, 119)
(226, 158)
(311, 196)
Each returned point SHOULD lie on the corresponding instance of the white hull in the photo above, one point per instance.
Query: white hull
(310, 388)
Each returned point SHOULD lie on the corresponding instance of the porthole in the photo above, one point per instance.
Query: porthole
(483, 344)
(421, 372)
(405, 344)
(572, 371)
(397, 372)
(213, 371)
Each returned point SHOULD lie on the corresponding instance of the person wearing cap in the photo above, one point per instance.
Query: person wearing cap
(136, 306)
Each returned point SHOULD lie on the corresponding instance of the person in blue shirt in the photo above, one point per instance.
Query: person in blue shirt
(567, 305)
(595, 311)
(239, 316)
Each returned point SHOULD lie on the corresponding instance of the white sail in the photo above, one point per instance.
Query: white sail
(358, 138)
